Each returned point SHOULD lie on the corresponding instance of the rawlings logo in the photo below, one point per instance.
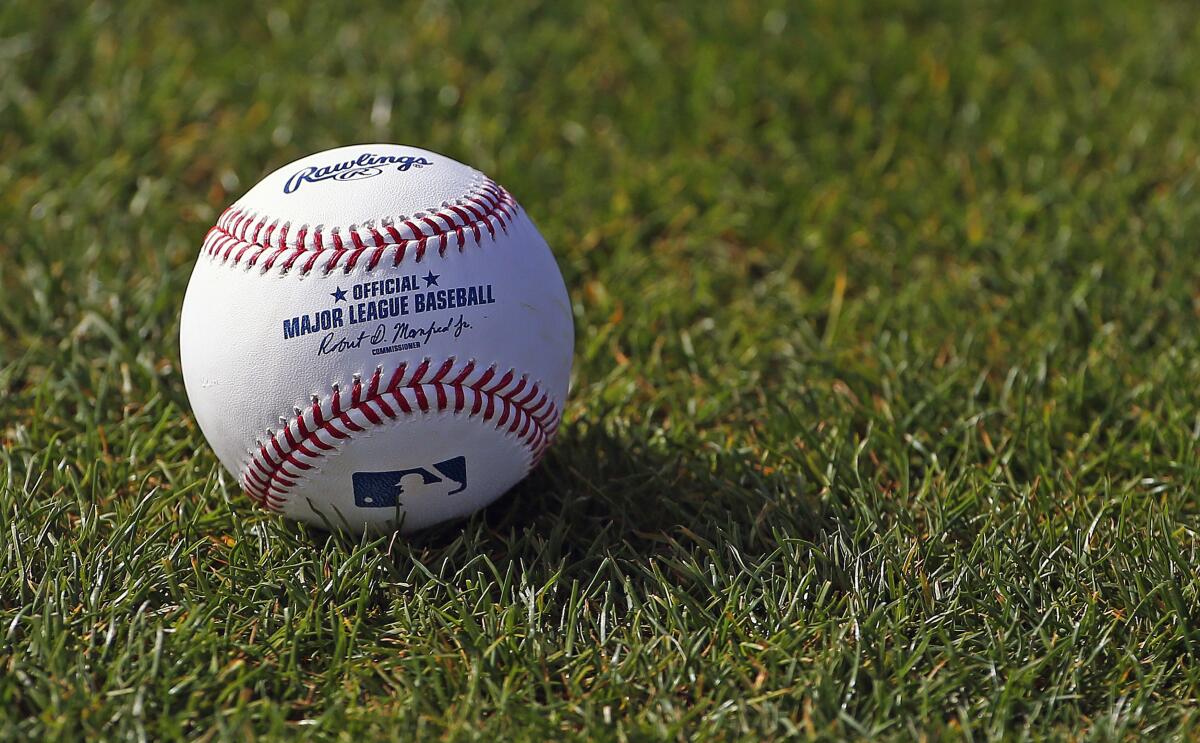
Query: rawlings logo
(365, 165)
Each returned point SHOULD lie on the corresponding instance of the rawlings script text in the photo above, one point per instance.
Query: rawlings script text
(365, 165)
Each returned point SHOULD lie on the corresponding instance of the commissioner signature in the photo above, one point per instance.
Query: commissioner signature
(399, 337)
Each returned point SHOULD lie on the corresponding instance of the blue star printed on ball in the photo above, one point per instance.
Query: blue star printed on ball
(430, 279)
(338, 295)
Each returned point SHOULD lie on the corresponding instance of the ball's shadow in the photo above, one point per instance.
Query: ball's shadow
(601, 493)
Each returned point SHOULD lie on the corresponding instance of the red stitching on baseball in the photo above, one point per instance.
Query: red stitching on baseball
(279, 462)
(241, 237)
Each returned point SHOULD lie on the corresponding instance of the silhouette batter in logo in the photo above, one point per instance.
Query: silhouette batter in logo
(384, 489)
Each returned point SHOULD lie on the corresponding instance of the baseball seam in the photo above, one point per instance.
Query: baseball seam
(243, 237)
(511, 402)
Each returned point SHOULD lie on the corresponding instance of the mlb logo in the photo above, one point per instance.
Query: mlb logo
(383, 489)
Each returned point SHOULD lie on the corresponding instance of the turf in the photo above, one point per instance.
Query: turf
(884, 418)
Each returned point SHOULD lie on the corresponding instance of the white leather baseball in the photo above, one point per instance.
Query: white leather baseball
(375, 337)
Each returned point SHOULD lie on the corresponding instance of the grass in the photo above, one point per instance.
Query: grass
(884, 418)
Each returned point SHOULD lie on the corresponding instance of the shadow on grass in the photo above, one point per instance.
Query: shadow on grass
(603, 494)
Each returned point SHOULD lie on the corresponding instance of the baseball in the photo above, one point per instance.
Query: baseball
(376, 337)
